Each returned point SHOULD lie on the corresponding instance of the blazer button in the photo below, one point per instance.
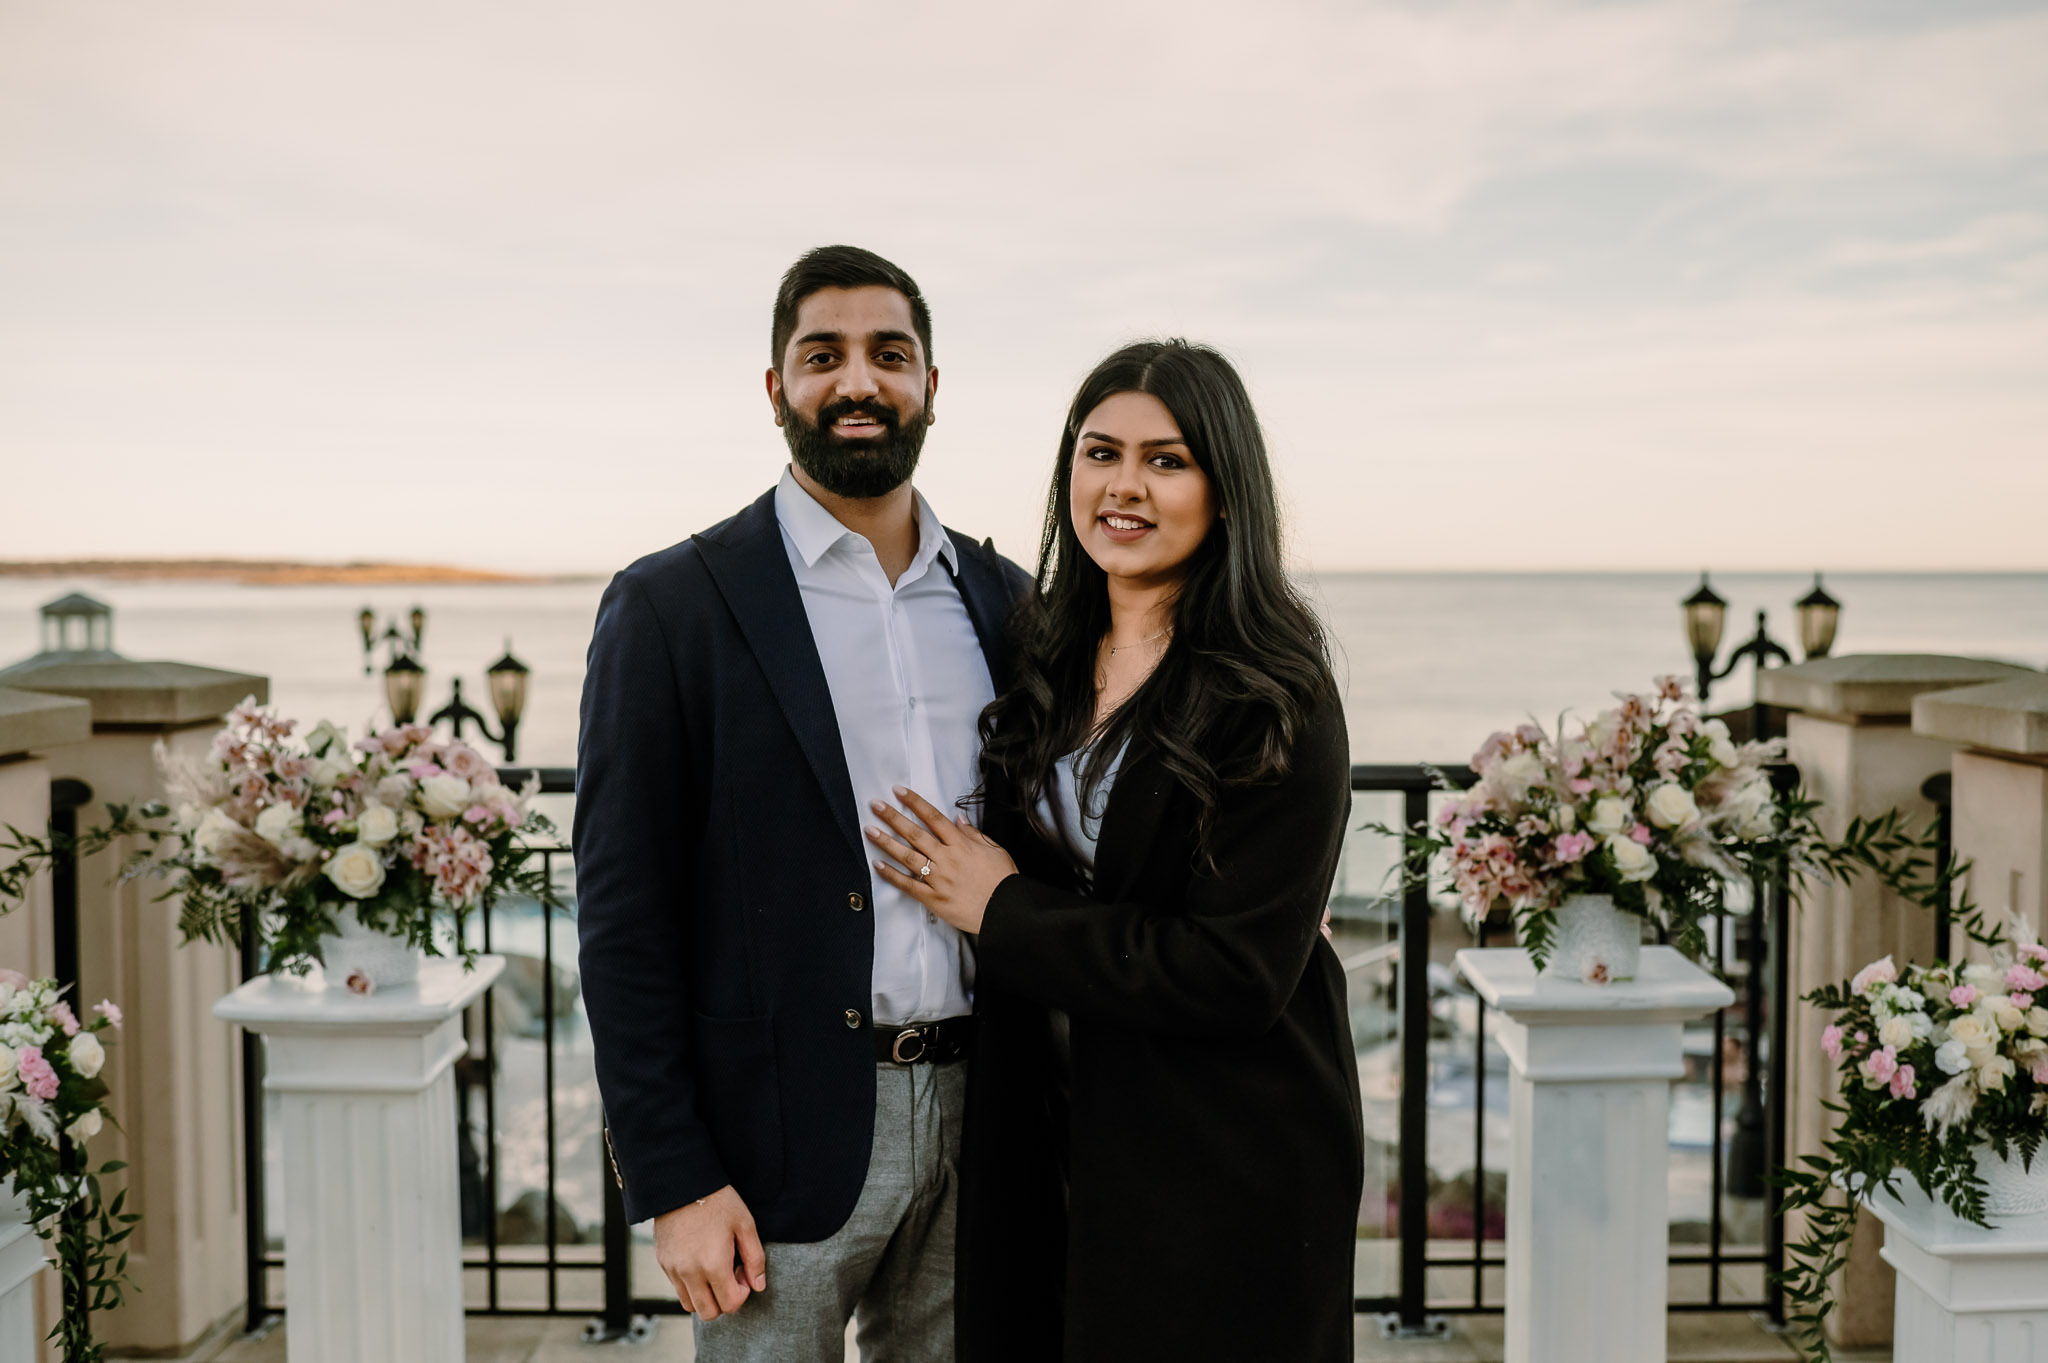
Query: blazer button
(856, 903)
(853, 1018)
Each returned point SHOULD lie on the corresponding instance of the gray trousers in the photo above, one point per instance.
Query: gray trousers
(890, 1266)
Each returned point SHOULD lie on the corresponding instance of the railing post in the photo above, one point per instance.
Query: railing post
(255, 1219)
(1777, 1097)
(1414, 1082)
(67, 797)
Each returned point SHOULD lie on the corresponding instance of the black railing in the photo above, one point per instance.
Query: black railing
(506, 1270)
(1735, 1169)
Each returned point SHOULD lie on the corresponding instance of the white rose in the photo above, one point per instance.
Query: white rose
(394, 790)
(1952, 1057)
(1973, 1030)
(1671, 806)
(1724, 752)
(1610, 815)
(1895, 1032)
(86, 1127)
(1632, 860)
(278, 824)
(377, 825)
(1567, 818)
(1922, 1025)
(1517, 774)
(2000, 1008)
(357, 870)
(87, 1055)
(213, 830)
(410, 822)
(1993, 1071)
(444, 797)
(2037, 1020)
(8, 1078)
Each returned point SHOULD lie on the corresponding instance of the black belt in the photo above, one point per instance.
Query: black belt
(924, 1043)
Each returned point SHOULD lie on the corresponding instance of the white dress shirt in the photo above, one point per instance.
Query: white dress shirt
(908, 684)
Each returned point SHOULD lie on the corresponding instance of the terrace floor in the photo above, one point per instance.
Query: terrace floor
(1694, 1338)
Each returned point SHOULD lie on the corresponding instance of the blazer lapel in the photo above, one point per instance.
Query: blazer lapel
(987, 597)
(746, 560)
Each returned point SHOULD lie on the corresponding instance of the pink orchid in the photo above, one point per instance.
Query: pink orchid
(37, 1074)
(65, 1018)
(1902, 1082)
(1831, 1041)
(477, 814)
(334, 816)
(424, 771)
(1582, 786)
(1963, 995)
(110, 1011)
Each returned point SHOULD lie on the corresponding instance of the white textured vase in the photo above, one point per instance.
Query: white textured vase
(2012, 1189)
(1589, 930)
(385, 959)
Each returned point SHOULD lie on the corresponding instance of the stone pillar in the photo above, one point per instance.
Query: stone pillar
(1966, 1294)
(1850, 734)
(30, 725)
(2000, 789)
(1589, 1103)
(373, 1253)
(175, 1073)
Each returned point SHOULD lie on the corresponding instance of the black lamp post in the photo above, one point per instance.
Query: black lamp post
(1706, 616)
(507, 679)
(401, 643)
(1819, 613)
(405, 681)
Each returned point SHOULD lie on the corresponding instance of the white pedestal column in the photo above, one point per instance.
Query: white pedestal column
(21, 1260)
(1965, 1294)
(373, 1229)
(1588, 1102)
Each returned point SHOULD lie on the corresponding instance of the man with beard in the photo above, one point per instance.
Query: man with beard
(781, 1036)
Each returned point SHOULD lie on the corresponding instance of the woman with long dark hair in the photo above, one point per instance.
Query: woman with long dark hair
(1163, 1151)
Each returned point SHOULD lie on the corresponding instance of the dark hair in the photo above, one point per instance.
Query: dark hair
(842, 267)
(1246, 651)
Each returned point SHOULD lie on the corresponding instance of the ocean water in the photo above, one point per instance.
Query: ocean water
(1431, 663)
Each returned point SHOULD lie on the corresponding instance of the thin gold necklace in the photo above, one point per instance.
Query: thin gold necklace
(1115, 649)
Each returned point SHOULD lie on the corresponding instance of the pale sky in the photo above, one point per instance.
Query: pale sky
(1663, 284)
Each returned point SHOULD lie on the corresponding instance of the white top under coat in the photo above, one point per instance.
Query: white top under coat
(908, 683)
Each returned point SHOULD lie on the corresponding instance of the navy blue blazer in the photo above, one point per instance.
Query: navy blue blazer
(722, 881)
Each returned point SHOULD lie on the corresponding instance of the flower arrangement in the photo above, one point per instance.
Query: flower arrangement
(51, 1103)
(1939, 1064)
(1647, 802)
(402, 829)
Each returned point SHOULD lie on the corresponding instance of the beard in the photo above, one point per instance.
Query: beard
(869, 467)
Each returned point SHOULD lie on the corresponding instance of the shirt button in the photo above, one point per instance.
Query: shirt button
(853, 1018)
(856, 903)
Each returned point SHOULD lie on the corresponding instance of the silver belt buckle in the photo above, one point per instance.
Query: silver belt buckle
(896, 1048)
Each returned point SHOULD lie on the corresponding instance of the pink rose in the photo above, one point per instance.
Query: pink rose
(1879, 1066)
(66, 1019)
(1902, 1082)
(2023, 977)
(1582, 785)
(13, 978)
(37, 1075)
(2033, 951)
(1831, 1041)
(1880, 971)
(2022, 1001)
(1963, 995)
(110, 1011)
(476, 813)
(466, 762)
(1641, 833)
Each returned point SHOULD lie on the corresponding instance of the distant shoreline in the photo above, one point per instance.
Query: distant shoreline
(267, 572)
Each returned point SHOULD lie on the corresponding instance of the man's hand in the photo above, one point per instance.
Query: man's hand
(711, 1254)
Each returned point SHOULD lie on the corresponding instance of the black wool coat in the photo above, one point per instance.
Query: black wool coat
(1214, 1136)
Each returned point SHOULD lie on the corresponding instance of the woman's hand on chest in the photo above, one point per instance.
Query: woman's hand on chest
(947, 865)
